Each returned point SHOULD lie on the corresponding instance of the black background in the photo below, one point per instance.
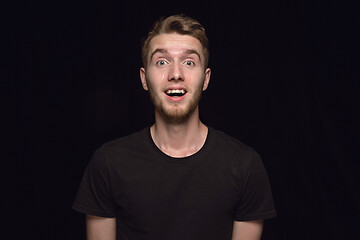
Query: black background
(285, 80)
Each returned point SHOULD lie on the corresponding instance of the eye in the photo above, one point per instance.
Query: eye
(189, 63)
(161, 62)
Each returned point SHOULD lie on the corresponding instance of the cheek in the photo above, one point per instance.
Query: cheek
(196, 77)
(155, 81)
(156, 75)
(163, 76)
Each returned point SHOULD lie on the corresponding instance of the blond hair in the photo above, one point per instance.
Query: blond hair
(180, 24)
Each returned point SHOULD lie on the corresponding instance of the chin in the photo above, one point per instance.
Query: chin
(177, 116)
(176, 113)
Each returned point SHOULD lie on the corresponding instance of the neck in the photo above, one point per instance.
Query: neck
(180, 139)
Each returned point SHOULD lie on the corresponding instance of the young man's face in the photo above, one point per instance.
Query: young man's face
(175, 75)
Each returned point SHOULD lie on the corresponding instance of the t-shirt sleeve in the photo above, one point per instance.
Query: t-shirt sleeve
(256, 201)
(94, 196)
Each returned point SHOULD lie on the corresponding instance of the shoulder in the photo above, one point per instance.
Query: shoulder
(234, 150)
(229, 143)
(130, 142)
(123, 147)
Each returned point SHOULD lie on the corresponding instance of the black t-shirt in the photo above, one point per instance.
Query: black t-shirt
(157, 197)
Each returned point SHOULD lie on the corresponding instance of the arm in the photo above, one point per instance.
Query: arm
(100, 228)
(249, 230)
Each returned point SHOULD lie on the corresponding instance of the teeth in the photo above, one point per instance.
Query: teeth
(174, 91)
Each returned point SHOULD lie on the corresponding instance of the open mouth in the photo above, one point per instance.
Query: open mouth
(175, 92)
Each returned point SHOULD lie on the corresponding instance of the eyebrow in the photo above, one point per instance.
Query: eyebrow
(193, 51)
(158, 50)
(187, 52)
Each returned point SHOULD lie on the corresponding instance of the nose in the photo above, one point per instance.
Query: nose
(175, 73)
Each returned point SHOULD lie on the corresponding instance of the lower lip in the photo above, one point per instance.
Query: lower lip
(175, 99)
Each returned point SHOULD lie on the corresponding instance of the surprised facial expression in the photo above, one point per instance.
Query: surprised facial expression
(175, 76)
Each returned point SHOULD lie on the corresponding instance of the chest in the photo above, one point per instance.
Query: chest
(156, 191)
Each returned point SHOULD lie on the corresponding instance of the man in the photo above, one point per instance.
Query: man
(178, 179)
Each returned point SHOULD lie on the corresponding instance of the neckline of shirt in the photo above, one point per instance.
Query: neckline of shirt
(186, 159)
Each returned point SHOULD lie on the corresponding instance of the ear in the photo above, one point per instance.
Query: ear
(207, 78)
(143, 78)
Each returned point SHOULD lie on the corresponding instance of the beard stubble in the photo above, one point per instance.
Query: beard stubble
(176, 114)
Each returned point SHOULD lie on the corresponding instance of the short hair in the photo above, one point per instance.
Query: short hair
(180, 24)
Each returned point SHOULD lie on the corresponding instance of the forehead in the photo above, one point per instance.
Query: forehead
(175, 43)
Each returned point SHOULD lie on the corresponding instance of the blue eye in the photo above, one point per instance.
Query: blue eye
(161, 62)
(189, 63)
